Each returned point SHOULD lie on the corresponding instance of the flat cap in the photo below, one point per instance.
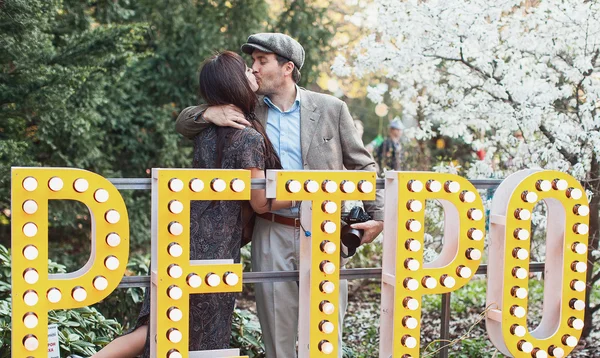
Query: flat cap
(397, 124)
(276, 43)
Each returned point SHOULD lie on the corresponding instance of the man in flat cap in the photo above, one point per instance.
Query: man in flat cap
(390, 153)
(309, 131)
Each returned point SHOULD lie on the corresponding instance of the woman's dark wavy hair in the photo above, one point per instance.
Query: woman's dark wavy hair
(223, 81)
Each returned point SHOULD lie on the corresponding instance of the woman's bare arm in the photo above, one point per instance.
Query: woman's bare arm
(258, 199)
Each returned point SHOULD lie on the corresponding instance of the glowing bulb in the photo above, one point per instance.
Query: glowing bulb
(414, 205)
(410, 322)
(577, 305)
(520, 253)
(518, 330)
(429, 282)
(194, 281)
(326, 327)
(518, 311)
(468, 196)
(413, 245)
(520, 273)
(175, 250)
(175, 206)
(543, 185)
(30, 252)
(79, 294)
(415, 186)
(570, 341)
(112, 216)
(409, 342)
(411, 303)
(31, 298)
(238, 185)
(100, 283)
(579, 266)
(580, 229)
(54, 295)
(411, 284)
(521, 234)
(579, 248)
(329, 207)
(574, 193)
(412, 264)
(111, 263)
(174, 314)
(30, 184)
(413, 225)
(30, 229)
(327, 267)
(175, 228)
(196, 185)
(31, 343)
(529, 196)
(327, 286)
(576, 323)
(578, 286)
(448, 281)
(174, 292)
(328, 226)
(522, 214)
(30, 207)
(347, 186)
(475, 234)
(174, 353)
(55, 184)
(558, 352)
(113, 239)
(174, 335)
(231, 279)
(475, 214)
(326, 347)
(81, 185)
(581, 210)
(473, 254)
(175, 185)
(213, 279)
(218, 185)
(560, 184)
(175, 271)
(519, 292)
(311, 186)
(101, 195)
(464, 271)
(365, 186)
(327, 307)
(452, 186)
(31, 276)
(293, 186)
(434, 186)
(329, 186)
(30, 320)
(525, 346)
(328, 247)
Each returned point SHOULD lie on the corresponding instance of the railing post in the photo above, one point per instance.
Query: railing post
(445, 325)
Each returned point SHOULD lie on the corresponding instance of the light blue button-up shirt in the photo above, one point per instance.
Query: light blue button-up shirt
(283, 130)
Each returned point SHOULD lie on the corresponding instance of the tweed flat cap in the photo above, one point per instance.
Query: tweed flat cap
(396, 124)
(277, 43)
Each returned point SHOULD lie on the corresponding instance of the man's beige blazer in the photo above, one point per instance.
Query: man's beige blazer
(328, 138)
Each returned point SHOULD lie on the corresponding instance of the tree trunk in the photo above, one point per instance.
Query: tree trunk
(592, 185)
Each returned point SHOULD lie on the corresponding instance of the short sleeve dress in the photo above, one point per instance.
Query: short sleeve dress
(215, 233)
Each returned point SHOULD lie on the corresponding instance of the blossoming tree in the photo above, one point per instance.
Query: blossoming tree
(520, 80)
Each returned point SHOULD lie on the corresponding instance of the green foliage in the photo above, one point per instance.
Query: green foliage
(246, 334)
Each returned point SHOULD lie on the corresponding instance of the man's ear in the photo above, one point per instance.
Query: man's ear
(289, 68)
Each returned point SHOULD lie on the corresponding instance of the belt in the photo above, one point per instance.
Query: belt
(295, 222)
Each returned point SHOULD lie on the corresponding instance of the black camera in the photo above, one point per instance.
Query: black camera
(351, 237)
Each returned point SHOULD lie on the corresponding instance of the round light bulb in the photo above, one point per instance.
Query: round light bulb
(174, 292)
(415, 205)
(474, 254)
(583, 210)
(30, 320)
(329, 207)
(519, 331)
(329, 186)
(30, 207)
(218, 185)
(571, 341)
(194, 281)
(412, 264)
(100, 283)
(544, 185)
(54, 295)
(175, 185)
(434, 186)
(411, 284)
(468, 196)
(30, 184)
(101, 195)
(327, 287)
(522, 234)
(174, 335)
(328, 268)
(413, 245)
(326, 348)
(475, 214)
(581, 229)
(213, 280)
(414, 226)
(519, 312)
(30, 252)
(30, 229)
(411, 323)
(452, 187)
(31, 343)
(365, 186)
(175, 228)
(561, 184)
(31, 276)
(327, 308)
(579, 305)
(412, 304)
(527, 347)
(231, 279)
(55, 184)
(113, 239)
(448, 282)
(577, 324)
(522, 254)
(410, 342)
(415, 186)
(327, 327)
(521, 273)
(81, 185)
(79, 294)
(31, 298)
(347, 186)
(196, 185)
(293, 186)
(175, 271)
(430, 283)
(580, 248)
(112, 216)
(174, 354)
(329, 247)
(578, 286)
(523, 214)
(521, 293)
(311, 186)
(175, 314)
(575, 194)
(465, 272)
(558, 352)
(530, 197)
(175, 206)
(329, 227)
(111, 263)
(238, 185)
(580, 267)
(476, 235)
(175, 250)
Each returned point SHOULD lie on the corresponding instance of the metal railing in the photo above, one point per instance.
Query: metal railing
(347, 274)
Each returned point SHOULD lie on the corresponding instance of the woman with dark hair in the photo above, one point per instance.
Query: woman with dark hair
(216, 226)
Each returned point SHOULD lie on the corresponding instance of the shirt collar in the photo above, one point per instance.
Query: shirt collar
(295, 106)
